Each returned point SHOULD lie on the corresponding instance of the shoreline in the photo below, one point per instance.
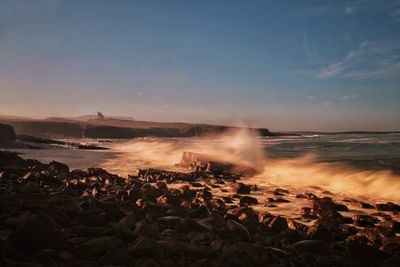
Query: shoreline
(161, 218)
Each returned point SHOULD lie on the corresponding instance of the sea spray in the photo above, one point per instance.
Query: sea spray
(245, 147)
(237, 146)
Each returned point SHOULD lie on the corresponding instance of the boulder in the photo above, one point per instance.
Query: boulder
(241, 188)
(33, 234)
(367, 255)
(278, 224)
(58, 167)
(7, 134)
(389, 206)
(96, 247)
(247, 201)
(312, 246)
(210, 163)
(364, 220)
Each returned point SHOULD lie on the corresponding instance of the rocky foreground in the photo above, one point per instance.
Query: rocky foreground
(52, 216)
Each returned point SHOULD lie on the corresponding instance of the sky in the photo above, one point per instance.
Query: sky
(284, 65)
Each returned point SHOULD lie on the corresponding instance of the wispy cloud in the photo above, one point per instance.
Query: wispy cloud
(326, 104)
(368, 60)
(395, 13)
(348, 10)
(336, 68)
(342, 8)
(310, 50)
(348, 97)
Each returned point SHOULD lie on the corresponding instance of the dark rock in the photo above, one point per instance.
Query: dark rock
(391, 225)
(278, 224)
(210, 163)
(312, 246)
(33, 234)
(326, 210)
(364, 220)
(280, 192)
(365, 254)
(359, 204)
(335, 260)
(146, 262)
(391, 262)
(116, 256)
(11, 159)
(241, 188)
(205, 194)
(240, 210)
(58, 167)
(238, 229)
(389, 206)
(7, 134)
(150, 192)
(292, 224)
(306, 213)
(30, 187)
(96, 247)
(246, 254)
(277, 200)
(247, 201)
(320, 231)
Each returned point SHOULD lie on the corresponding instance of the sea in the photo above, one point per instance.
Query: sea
(365, 165)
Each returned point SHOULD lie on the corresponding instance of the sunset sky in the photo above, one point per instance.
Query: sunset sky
(285, 65)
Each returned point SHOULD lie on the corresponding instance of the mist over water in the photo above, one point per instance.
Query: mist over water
(241, 147)
(246, 147)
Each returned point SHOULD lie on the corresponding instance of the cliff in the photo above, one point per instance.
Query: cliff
(113, 128)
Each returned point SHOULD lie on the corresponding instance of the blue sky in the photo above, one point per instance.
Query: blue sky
(286, 65)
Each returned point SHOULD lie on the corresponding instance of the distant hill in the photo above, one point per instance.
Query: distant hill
(114, 128)
(10, 117)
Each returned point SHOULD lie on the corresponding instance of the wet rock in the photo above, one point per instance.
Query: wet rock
(248, 201)
(209, 163)
(150, 192)
(240, 210)
(359, 204)
(364, 220)
(205, 194)
(306, 213)
(391, 225)
(292, 224)
(280, 192)
(326, 210)
(278, 224)
(277, 200)
(318, 230)
(238, 229)
(241, 188)
(389, 206)
(58, 167)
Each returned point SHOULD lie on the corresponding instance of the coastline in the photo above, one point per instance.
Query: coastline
(161, 218)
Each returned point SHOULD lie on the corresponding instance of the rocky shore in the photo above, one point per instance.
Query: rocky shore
(53, 216)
